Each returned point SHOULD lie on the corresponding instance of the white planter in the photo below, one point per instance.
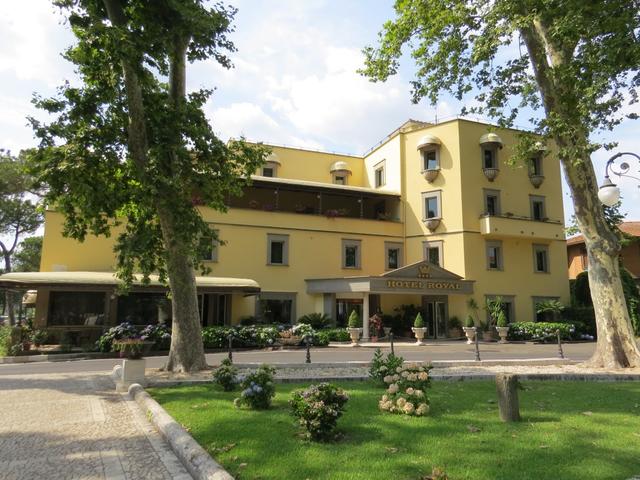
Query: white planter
(132, 372)
(419, 332)
(470, 332)
(503, 332)
(354, 333)
(387, 331)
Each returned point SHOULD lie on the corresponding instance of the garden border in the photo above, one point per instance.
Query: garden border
(195, 458)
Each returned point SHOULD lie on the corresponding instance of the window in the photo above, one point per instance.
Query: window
(144, 308)
(537, 207)
(431, 202)
(340, 179)
(535, 165)
(430, 160)
(393, 255)
(508, 306)
(77, 308)
(379, 175)
(489, 158)
(209, 247)
(351, 253)
(492, 202)
(276, 308)
(541, 258)
(268, 171)
(432, 251)
(494, 255)
(277, 249)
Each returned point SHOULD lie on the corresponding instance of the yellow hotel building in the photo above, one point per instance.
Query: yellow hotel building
(432, 216)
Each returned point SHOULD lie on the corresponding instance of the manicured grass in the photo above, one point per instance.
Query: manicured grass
(570, 430)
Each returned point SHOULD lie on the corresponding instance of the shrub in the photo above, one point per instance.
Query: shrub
(216, 337)
(119, 332)
(321, 338)
(407, 391)
(381, 367)
(257, 389)
(469, 322)
(337, 334)
(39, 337)
(316, 320)
(243, 336)
(303, 330)
(226, 375)
(502, 319)
(419, 321)
(5, 341)
(159, 334)
(318, 409)
(354, 320)
(454, 322)
(541, 331)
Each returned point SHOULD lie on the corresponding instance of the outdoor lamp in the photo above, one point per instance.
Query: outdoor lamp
(609, 193)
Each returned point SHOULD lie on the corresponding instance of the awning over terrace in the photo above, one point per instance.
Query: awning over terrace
(108, 280)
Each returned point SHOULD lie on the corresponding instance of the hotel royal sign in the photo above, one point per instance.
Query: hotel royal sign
(424, 281)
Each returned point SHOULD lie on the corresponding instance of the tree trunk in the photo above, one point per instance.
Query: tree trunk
(8, 295)
(616, 347)
(507, 388)
(187, 352)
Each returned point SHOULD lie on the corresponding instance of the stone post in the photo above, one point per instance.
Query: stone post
(507, 388)
(132, 372)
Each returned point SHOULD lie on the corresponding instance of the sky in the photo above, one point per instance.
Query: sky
(294, 81)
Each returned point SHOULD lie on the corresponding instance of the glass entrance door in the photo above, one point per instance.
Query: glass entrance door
(435, 309)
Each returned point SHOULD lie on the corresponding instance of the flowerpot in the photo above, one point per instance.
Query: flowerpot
(432, 223)
(419, 332)
(374, 339)
(491, 173)
(133, 349)
(503, 332)
(470, 332)
(387, 331)
(290, 341)
(536, 180)
(455, 332)
(487, 336)
(354, 333)
(431, 175)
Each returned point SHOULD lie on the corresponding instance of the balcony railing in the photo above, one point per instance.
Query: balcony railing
(516, 226)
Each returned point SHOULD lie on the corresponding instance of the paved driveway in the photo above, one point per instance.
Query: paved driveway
(74, 426)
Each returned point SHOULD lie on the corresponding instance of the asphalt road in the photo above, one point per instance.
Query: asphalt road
(430, 352)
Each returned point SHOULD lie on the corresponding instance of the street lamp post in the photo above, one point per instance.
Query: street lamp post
(609, 193)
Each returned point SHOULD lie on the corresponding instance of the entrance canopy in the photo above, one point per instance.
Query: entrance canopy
(422, 278)
(108, 280)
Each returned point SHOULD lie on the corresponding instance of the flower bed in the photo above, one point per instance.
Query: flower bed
(542, 331)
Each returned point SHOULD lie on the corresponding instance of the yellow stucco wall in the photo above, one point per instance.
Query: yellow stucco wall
(315, 242)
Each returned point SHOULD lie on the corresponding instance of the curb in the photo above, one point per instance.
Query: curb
(533, 362)
(195, 459)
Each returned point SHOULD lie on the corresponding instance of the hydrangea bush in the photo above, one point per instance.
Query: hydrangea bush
(119, 332)
(226, 375)
(381, 366)
(407, 391)
(541, 331)
(318, 409)
(257, 389)
(159, 334)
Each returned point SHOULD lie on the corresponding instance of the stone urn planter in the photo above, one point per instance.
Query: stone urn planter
(419, 332)
(470, 332)
(387, 331)
(503, 332)
(354, 333)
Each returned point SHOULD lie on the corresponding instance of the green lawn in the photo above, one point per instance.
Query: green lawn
(570, 430)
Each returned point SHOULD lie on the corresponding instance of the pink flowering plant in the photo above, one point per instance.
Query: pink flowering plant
(257, 389)
(318, 409)
(407, 391)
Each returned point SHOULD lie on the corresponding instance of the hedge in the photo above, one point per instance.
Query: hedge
(542, 331)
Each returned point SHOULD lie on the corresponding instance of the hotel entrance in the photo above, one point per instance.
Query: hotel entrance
(435, 308)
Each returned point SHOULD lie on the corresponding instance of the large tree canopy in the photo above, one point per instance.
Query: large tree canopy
(572, 63)
(19, 214)
(131, 146)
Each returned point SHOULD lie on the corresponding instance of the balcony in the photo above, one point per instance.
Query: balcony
(513, 226)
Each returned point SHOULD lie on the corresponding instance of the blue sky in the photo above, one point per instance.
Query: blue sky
(294, 80)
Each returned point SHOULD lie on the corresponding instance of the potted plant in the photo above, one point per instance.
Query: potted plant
(354, 328)
(502, 326)
(419, 329)
(494, 309)
(469, 329)
(455, 327)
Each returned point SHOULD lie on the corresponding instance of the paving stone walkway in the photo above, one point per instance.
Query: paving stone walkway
(74, 426)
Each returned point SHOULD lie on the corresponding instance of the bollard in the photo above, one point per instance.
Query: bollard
(477, 348)
(391, 340)
(231, 348)
(560, 352)
(307, 342)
